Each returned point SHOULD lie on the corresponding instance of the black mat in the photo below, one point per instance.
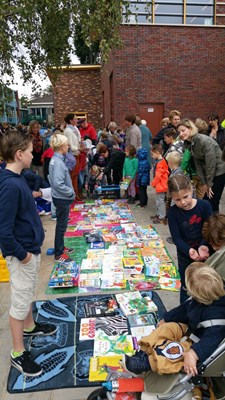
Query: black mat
(65, 360)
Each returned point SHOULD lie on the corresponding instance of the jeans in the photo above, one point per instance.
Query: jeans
(62, 214)
(217, 188)
(161, 205)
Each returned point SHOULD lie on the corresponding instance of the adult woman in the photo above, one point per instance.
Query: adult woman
(215, 130)
(207, 158)
(37, 164)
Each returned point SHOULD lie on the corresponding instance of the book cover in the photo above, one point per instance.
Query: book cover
(133, 262)
(102, 366)
(103, 307)
(133, 303)
(110, 325)
(169, 284)
(112, 345)
(142, 320)
(140, 331)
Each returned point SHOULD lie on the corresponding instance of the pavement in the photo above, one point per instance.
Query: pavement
(169, 298)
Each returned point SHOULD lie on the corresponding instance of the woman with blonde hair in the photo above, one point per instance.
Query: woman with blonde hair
(207, 157)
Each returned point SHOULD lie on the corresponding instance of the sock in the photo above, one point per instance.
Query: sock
(17, 353)
(29, 329)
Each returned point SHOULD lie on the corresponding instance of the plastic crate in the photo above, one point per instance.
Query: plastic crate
(4, 272)
(108, 192)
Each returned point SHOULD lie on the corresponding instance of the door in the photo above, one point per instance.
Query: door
(153, 113)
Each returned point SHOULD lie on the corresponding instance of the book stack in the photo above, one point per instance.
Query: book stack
(64, 275)
(133, 303)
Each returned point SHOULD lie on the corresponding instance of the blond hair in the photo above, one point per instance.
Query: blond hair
(57, 141)
(188, 124)
(175, 157)
(203, 283)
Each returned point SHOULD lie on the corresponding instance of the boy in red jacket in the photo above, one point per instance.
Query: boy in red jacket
(160, 180)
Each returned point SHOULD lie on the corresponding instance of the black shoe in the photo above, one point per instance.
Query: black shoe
(136, 364)
(170, 240)
(41, 329)
(131, 200)
(26, 365)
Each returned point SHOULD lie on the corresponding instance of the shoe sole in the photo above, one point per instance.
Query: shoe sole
(123, 365)
(20, 369)
(26, 334)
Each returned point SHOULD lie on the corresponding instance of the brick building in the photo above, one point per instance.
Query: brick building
(173, 57)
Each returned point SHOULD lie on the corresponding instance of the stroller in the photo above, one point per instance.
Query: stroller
(179, 386)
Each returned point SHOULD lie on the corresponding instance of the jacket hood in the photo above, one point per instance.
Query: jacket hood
(142, 154)
(6, 174)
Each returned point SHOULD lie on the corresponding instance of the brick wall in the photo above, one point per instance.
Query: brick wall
(181, 67)
(79, 89)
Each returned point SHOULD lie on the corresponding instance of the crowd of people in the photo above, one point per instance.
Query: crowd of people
(69, 163)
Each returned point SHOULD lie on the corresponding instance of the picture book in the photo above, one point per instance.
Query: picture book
(112, 345)
(169, 283)
(156, 244)
(63, 273)
(142, 320)
(110, 325)
(133, 262)
(99, 308)
(91, 264)
(97, 245)
(140, 331)
(131, 252)
(149, 283)
(102, 366)
(110, 237)
(133, 303)
(118, 281)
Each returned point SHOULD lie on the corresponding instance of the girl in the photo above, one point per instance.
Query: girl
(130, 168)
(186, 219)
(37, 163)
(208, 162)
(62, 194)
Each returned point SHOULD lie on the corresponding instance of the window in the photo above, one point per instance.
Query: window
(191, 12)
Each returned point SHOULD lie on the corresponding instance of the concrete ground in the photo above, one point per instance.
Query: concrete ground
(170, 300)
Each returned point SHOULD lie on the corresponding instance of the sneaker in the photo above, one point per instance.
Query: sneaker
(154, 216)
(136, 364)
(68, 250)
(160, 221)
(42, 212)
(41, 329)
(47, 212)
(26, 365)
(64, 258)
(53, 218)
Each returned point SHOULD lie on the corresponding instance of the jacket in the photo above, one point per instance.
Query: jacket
(160, 180)
(187, 162)
(207, 157)
(220, 136)
(192, 313)
(59, 178)
(133, 136)
(90, 132)
(73, 135)
(21, 228)
(34, 181)
(143, 176)
(116, 160)
(216, 261)
(130, 167)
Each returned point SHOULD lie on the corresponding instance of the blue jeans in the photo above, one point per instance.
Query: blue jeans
(62, 214)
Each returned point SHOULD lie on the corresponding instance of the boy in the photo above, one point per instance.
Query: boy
(174, 143)
(174, 161)
(143, 176)
(162, 351)
(160, 180)
(21, 237)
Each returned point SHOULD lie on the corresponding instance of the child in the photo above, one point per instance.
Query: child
(186, 219)
(174, 161)
(174, 143)
(21, 238)
(143, 176)
(160, 180)
(163, 351)
(130, 168)
(62, 194)
(95, 176)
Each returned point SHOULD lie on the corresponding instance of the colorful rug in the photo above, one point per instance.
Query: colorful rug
(65, 360)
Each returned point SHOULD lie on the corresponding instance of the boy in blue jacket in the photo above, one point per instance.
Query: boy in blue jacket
(143, 176)
(21, 237)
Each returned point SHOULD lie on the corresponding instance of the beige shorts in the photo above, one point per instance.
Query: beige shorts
(23, 279)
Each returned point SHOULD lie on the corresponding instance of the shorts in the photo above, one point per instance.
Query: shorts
(23, 279)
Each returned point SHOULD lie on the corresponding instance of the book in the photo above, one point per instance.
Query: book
(103, 307)
(140, 331)
(65, 273)
(133, 303)
(110, 325)
(102, 366)
(112, 345)
(142, 320)
(169, 284)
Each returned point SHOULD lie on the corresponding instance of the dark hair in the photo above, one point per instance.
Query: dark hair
(213, 230)
(69, 117)
(131, 151)
(11, 142)
(171, 133)
(178, 182)
(130, 118)
(157, 148)
(213, 117)
(102, 149)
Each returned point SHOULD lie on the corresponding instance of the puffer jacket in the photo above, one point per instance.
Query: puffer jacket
(160, 181)
(207, 157)
(143, 176)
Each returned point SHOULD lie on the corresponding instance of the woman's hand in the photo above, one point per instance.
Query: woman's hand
(194, 255)
(203, 252)
(210, 193)
(190, 362)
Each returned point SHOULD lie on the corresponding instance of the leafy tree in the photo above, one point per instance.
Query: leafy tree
(36, 34)
(24, 101)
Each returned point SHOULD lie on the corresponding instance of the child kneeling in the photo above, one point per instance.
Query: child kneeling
(163, 351)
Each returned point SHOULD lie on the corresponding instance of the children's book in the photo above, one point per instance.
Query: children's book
(133, 303)
(112, 345)
(169, 283)
(103, 307)
(110, 325)
(149, 283)
(63, 274)
(91, 265)
(97, 245)
(133, 262)
(102, 366)
(142, 320)
(116, 281)
(139, 332)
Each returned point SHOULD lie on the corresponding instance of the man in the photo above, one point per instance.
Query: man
(174, 118)
(133, 133)
(87, 131)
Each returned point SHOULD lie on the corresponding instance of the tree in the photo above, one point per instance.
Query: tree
(36, 34)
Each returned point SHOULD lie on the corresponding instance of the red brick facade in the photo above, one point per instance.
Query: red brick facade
(176, 67)
(79, 89)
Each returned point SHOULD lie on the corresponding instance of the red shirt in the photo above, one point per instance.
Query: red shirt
(88, 131)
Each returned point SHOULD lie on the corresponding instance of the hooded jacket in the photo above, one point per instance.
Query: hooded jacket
(143, 176)
(21, 229)
(160, 181)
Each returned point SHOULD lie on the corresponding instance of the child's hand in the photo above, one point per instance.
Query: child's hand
(203, 252)
(190, 361)
(194, 255)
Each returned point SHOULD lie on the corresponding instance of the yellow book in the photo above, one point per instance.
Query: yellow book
(102, 366)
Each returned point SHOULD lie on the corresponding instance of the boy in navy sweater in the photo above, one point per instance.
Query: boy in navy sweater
(21, 237)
